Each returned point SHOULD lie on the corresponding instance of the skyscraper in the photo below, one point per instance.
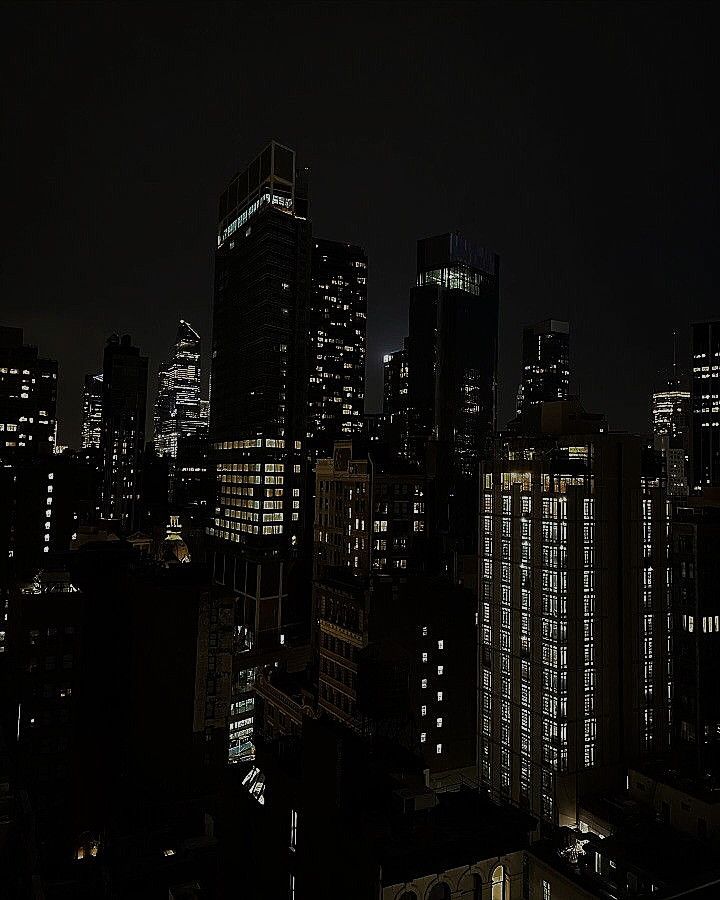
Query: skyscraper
(92, 411)
(671, 431)
(395, 399)
(336, 329)
(123, 430)
(452, 347)
(705, 390)
(28, 395)
(574, 678)
(258, 409)
(545, 364)
(696, 639)
(178, 409)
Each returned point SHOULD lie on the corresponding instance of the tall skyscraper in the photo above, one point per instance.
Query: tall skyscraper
(574, 678)
(671, 431)
(125, 374)
(178, 407)
(336, 328)
(452, 347)
(696, 637)
(705, 388)
(28, 396)
(92, 411)
(395, 399)
(545, 364)
(258, 404)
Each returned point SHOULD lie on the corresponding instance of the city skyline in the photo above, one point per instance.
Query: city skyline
(544, 200)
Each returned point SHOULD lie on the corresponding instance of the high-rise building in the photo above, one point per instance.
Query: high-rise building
(545, 364)
(92, 411)
(178, 407)
(395, 399)
(696, 638)
(258, 405)
(28, 396)
(125, 374)
(705, 389)
(452, 347)
(573, 612)
(671, 432)
(336, 329)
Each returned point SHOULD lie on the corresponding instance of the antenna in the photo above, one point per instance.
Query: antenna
(674, 368)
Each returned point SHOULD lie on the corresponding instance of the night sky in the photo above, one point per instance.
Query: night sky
(578, 141)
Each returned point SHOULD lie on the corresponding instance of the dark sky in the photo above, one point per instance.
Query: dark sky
(578, 141)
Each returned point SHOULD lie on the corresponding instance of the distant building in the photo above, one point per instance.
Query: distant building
(337, 322)
(92, 411)
(178, 407)
(574, 674)
(705, 390)
(545, 364)
(123, 430)
(671, 435)
(452, 348)
(28, 397)
(395, 399)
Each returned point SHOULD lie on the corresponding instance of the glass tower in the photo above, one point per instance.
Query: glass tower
(178, 407)
(92, 411)
(452, 347)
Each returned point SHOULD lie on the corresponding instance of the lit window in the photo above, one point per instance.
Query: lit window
(423, 737)
(441, 645)
(293, 829)
(440, 670)
(423, 683)
(546, 891)
(439, 695)
(424, 657)
(438, 721)
(438, 748)
(168, 851)
(423, 710)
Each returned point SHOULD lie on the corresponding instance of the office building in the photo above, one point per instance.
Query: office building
(705, 400)
(123, 430)
(671, 435)
(695, 533)
(337, 321)
(178, 410)
(545, 364)
(395, 399)
(573, 611)
(258, 410)
(452, 348)
(28, 396)
(92, 411)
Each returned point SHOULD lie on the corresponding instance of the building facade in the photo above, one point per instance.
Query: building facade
(696, 621)
(573, 611)
(452, 348)
(92, 411)
(28, 398)
(258, 407)
(671, 435)
(545, 364)
(705, 390)
(178, 411)
(395, 399)
(125, 374)
(337, 321)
